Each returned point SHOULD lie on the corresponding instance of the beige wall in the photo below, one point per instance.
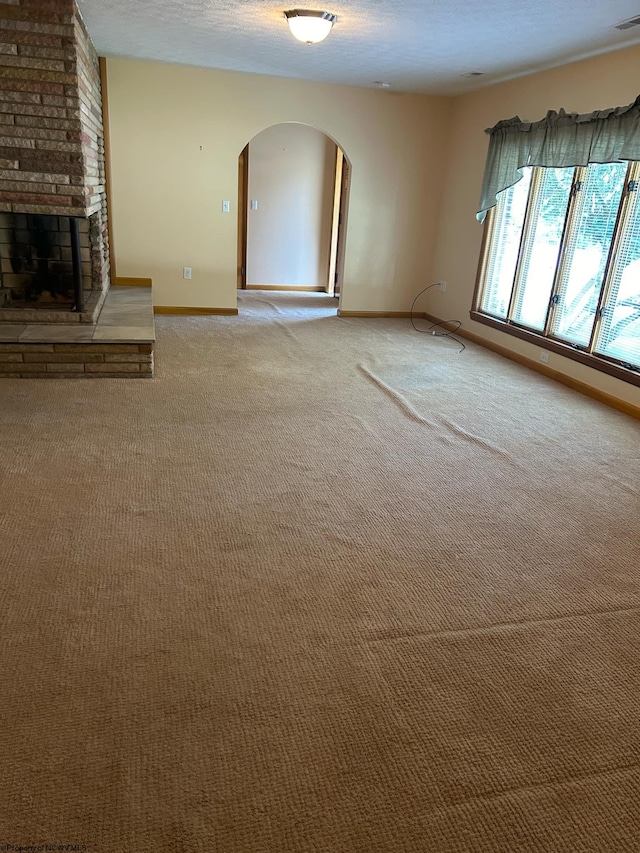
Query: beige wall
(291, 178)
(605, 81)
(417, 164)
(176, 133)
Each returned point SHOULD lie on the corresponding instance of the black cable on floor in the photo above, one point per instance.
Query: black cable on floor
(444, 334)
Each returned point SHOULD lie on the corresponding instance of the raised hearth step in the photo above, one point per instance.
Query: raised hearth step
(119, 345)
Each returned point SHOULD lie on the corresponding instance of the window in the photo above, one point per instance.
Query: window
(561, 263)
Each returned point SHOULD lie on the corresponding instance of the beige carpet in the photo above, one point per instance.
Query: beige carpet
(324, 585)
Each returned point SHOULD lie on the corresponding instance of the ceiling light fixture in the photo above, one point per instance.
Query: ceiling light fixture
(310, 26)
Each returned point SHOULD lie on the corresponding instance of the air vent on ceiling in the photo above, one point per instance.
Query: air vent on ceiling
(626, 25)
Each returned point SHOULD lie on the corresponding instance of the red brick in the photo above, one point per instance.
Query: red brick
(59, 358)
(65, 6)
(35, 110)
(43, 145)
(102, 348)
(40, 86)
(33, 198)
(38, 51)
(58, 161)
(24, 186)
(33, 62)
(61, 101)
(33, 74)
(60, 6)
(113, 367)
(20, 368)
(7, 142)
(44, 121)
(136, 357)
(61, 209)
(38, 133)
(42, 177)
(64, 368)
(20, 97)
(36, 15)
(17, 347)
(27, 38)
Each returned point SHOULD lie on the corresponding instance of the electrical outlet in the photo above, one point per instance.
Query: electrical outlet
(443, 286)
(186, 272)
(544, 356)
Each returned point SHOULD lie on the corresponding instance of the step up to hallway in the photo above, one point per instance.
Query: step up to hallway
(119, 345)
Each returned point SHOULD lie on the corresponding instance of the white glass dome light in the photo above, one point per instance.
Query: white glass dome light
(310, 26)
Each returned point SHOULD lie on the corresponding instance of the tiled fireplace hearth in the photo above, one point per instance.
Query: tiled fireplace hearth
(119, 345)
(54, 233)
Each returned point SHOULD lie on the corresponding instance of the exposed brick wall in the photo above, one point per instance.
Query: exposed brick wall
(51, 132)
(55, 361)
(90, 105)
(92, 142)
(40, 106)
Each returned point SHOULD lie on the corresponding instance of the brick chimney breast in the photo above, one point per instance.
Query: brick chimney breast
(51, 128)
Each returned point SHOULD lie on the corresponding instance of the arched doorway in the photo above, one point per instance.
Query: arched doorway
(293, 187)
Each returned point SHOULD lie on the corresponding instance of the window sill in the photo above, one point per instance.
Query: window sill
(596, 362)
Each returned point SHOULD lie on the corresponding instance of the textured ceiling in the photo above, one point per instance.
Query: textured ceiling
(414, 45)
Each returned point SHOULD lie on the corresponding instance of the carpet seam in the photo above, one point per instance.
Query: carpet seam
(499, 625)
(540, 786)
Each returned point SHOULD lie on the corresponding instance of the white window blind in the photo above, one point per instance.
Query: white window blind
(562, 263)
(545, 224)
(502, 256)
(619, 335)
(586, 250)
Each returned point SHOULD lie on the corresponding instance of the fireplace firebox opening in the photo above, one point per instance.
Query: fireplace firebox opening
(45, 261)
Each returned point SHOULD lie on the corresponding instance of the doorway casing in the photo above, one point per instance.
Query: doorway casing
(339, 210)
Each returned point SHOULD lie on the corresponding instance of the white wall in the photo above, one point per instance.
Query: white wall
(292, 178)
(176, 133)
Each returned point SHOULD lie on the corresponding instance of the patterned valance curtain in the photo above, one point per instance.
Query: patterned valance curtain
(559, 140)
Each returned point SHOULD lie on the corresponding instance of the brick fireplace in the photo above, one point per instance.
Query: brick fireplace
(58, 317)
(53, 212)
